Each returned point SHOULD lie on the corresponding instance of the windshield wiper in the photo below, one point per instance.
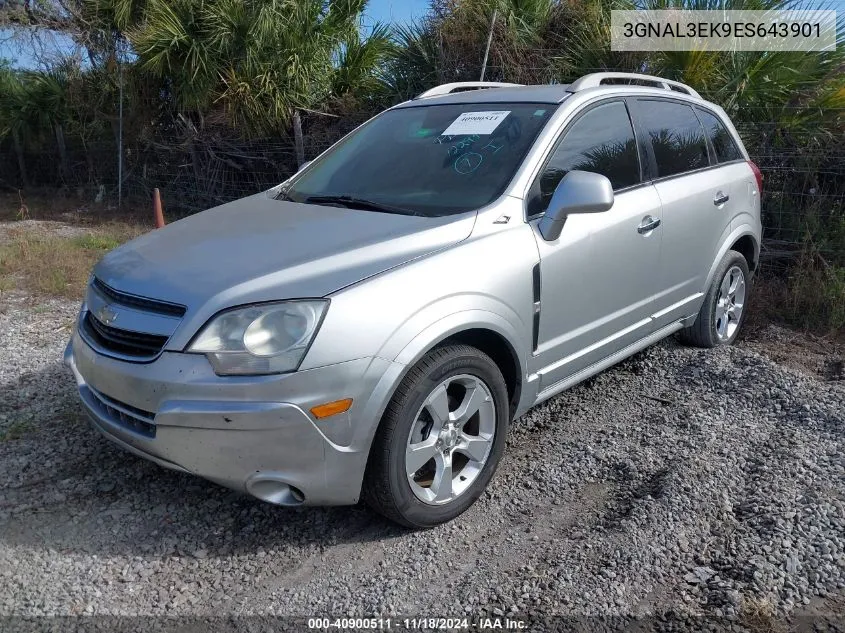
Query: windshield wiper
(359, 203)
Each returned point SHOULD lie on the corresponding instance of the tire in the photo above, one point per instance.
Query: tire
(713, 326)
(460, 378)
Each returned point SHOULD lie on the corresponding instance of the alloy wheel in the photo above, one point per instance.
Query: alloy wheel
(730, 303)
(451, 439)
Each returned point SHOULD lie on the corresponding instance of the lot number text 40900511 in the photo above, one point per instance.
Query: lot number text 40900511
(419, 624)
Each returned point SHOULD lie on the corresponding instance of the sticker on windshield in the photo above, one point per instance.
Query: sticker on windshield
(476, 123)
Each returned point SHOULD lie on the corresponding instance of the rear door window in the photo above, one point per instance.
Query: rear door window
(676, 136)
(722, 141)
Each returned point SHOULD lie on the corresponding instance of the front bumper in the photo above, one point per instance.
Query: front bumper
(250, 433)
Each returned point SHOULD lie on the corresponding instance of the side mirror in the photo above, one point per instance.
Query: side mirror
(303, 166)
(577, 192)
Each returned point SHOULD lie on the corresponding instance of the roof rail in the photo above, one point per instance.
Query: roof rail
(462, 86)
(597, 79)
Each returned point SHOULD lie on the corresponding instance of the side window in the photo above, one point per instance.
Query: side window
(676, 136)
(602, 141)
(720, 138)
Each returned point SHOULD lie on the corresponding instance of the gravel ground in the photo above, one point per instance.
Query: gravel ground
(686, 481)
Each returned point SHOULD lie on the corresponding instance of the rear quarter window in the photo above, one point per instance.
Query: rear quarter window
(722, 141)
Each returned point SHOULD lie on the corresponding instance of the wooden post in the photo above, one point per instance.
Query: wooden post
(60, 142)
(120, 141)
(158, 213)
(16, 139)
(297, 139)
(489, 40)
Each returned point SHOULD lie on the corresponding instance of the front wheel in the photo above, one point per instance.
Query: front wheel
(440, 440)
(723, 311)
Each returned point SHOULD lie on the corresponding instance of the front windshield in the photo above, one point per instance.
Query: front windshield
(426, 160)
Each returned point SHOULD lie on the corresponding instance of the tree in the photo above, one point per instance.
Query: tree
(255, 61)
(12, 122)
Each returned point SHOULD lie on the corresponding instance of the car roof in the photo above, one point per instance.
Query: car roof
(469, 92)
(551, 93)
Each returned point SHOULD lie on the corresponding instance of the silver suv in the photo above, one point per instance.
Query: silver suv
(370, 327)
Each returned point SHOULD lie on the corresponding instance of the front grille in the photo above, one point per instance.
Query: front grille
(125, 415)
(124, 342)
(142, 303)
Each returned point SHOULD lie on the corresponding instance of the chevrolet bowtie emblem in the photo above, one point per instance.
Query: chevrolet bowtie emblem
(106, 315)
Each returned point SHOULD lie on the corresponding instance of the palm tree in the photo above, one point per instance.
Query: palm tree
(46, 107)
(257, 61)
(414, 63)
(529, 44)
(32, 105)
(12, 121)
(795, 90)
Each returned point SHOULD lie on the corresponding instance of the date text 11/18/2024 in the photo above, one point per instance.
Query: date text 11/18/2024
(419, 623)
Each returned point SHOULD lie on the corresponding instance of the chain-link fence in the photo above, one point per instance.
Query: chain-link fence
(804, 177)
(193, 170)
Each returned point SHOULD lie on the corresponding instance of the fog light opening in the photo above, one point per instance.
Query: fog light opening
(273, 490)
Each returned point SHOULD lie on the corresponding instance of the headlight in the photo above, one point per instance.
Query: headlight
(271, 338)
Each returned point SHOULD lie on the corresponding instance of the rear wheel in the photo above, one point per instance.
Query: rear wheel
(440, 440)
(723, 311)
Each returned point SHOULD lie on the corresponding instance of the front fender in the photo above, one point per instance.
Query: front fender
(406, 353)
(484, 283)
(454, 323)
(487, 279)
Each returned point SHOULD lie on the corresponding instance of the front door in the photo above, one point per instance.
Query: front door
(599, 280)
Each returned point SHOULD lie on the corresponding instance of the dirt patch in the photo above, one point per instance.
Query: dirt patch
(822, 357)
(54, 259)
(10, 231)
(79, 209)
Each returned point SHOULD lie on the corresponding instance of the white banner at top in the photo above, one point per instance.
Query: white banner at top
(679, 30)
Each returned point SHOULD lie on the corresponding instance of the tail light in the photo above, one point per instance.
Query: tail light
(758, 175)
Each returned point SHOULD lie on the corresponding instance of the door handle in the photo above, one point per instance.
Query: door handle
(721, 198)
(648, 224)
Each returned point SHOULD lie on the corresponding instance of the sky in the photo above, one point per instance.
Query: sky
(397, 11)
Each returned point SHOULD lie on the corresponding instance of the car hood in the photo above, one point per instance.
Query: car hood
(260, 249)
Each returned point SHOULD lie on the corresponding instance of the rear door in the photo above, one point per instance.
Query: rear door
(732, 166)
(695, 197)
(599, 278)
